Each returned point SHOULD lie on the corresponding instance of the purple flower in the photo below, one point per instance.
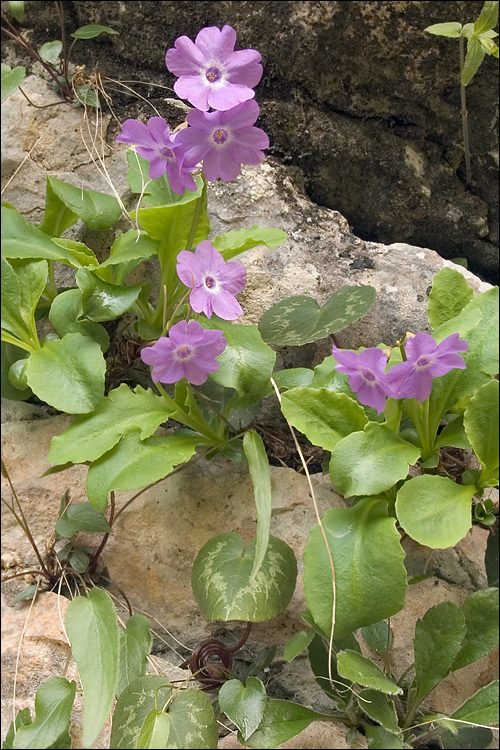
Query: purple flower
(210, 73)
(223, 140)
(426, 360)
(213, 280)
(189, 351)
(155, 143)
(366, 375)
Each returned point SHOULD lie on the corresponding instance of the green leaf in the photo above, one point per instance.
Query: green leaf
(53, 704)
(466, 738)
(244, 705)
(97, 210)
(137, 700)
(482, 708)
(135, 647)
(246, 364)
(133, 463)
(68, 373)
(450, 293)
(452, 29)
(318, 652)
(11, 303)
(82, 255)
(325, 417)
(357, 668)
(155, 731)
(64, 313)
(372, 461)
(489, 46)
(92, 629)
(57, 217)
(379, 738)
(258, 465)
(12, 78)
(438, 639)
(488, 18)
(86, 96)
(282, 720)
(127, 251)
(21, 239)
(434, 510)
(50, 51)
(473, 59)
(156, 192)
(300, 320)
(102, 301)
(23, 718)
(297, 644)
(92, 30)
(22, 285)
(26, 594)
(221, 579)
(122, 411)
(169, 222)
(79, 560)
(193, 725)
(478, 323)
(453, 434)
(481, 620)
(9, 355)
(232, 243)
(262, 660)
(17, 10)
(481, 425)
(294, 377)
(491, 557)
(369, 571)
(378, 636)
(380, 708)
(81, 517)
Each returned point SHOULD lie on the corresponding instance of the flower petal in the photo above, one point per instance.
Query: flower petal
(228, 96)
(243, 66)
(216, 44)
(226, 306)
(185, 59)
(192, 89)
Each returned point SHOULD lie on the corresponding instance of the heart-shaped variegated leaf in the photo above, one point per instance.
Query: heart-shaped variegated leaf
(221, 579)
(300, 320)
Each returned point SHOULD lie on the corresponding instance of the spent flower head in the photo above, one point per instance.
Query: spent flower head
(189, 351)
(425, 360)
(366, 375)
(155, 143)
(223, 141)
(213, 280)
(210, 73)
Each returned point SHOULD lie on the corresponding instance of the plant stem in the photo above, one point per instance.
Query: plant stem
(95, 557)
(463, 112)
(11, 31)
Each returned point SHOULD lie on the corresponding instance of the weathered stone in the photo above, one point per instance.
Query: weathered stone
(151, 552)
(355, 93)
(44, 652)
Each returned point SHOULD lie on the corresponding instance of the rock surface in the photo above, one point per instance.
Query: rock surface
(356, 94)
(158, 537)
(151, 553)
(320, 256)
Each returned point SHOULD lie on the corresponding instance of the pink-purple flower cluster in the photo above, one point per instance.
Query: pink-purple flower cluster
(410, 379)
(211, 75)
(189, 351)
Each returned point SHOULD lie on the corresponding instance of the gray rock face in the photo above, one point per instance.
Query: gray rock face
(354, 93)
